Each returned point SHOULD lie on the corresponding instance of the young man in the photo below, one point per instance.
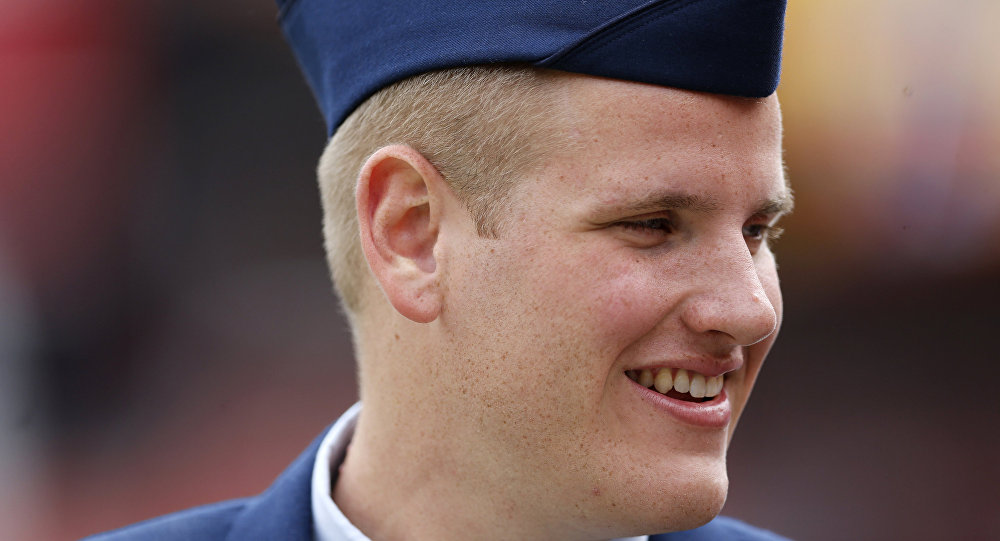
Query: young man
(548, 223)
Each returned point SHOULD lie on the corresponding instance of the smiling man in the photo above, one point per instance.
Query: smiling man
(549, 223)
(576, 375)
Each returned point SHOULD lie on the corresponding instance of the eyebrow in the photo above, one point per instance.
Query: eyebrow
(781, 204)
(672, 201)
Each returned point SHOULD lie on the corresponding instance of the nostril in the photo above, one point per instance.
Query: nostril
(745, 317)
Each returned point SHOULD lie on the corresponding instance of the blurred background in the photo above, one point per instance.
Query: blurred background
(168, 335)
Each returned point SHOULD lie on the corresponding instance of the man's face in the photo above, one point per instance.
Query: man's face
(643, 247)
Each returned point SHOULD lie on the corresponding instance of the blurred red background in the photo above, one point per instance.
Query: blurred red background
(168, 335)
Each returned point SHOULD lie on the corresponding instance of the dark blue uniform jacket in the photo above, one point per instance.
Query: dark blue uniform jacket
(284, 513)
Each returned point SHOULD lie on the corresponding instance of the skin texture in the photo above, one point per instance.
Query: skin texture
(493, 378)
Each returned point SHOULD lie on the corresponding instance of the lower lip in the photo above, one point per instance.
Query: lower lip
(714, 413)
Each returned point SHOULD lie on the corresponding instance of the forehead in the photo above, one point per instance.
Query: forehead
(595, 103)
(633, 135)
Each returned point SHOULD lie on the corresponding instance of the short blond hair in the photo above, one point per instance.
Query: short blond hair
(480, 126)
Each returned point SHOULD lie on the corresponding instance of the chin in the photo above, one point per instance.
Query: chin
(674, 503)
(703, 501)
(697, 503)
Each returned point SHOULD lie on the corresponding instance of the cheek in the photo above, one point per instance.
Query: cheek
(549, 318)
(635, 302)
(606, 298)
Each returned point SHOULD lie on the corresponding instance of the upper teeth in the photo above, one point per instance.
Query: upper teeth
(682, 381)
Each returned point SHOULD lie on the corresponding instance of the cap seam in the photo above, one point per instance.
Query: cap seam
(603, 32)
(618, 29)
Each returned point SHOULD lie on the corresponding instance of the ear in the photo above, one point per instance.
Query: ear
(398, 217)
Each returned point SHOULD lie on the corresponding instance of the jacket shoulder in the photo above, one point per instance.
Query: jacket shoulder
(722, 529)
(283, 511)
(208, 522)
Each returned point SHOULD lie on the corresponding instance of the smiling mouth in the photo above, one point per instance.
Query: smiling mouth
(679, 384)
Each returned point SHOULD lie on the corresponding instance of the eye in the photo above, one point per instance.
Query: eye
(762, 232)
(755, 231)
(647, 232)
(651, 225)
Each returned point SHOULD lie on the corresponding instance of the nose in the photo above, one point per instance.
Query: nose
(729, 299)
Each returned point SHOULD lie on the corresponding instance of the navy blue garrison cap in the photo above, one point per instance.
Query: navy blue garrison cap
(349, 49)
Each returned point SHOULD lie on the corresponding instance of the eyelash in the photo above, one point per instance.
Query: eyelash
(652, 224)
(766, 232)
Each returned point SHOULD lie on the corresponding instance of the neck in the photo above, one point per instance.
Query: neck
(407, 484)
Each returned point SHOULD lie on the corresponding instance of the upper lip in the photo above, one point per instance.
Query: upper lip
(708, 366)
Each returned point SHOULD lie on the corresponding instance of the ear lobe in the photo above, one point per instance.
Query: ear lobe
(398, 221)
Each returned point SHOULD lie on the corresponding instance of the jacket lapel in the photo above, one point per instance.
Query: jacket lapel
(284, 510)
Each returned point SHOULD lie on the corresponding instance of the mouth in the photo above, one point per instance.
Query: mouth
(679, 384)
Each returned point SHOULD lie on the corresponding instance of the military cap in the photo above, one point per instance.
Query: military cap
(349, 49)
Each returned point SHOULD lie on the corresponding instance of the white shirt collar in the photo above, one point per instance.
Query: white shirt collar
(329, 523)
